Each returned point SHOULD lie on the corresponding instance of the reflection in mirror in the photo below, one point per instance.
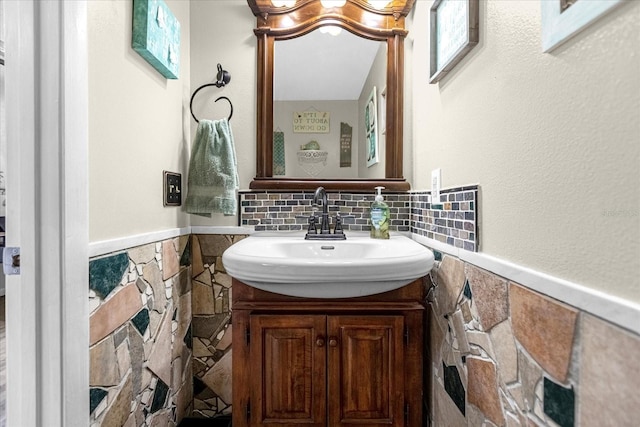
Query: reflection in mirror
(322, 84)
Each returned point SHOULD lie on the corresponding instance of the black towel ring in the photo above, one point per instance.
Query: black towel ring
(222, 79)
(217, 99)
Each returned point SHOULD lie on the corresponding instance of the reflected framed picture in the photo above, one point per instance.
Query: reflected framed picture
(371, 128)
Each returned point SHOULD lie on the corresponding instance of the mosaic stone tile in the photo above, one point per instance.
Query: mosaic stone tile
(453, 386)
(153, 276)
(202, 299)
(170, 259)
(159, 396)
(159, 361)
(197, 265)
(218, 378)
(96, 395)
(182, 282)
(467, 290)
(142, 254)
(490, 296)
(483, 389)
(141, 321)
(136, 352)
(505, 350)
(457, 322)
(609, 375)
(450, 279)
(106, 273)
(530, 374)
(445, 412)
(559, 403)
(213, 245)
(545, 328)
(114, 313)
(118, 413)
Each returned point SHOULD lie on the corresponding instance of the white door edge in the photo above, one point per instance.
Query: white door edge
(47, 309)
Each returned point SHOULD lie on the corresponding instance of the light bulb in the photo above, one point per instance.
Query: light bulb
(333, 3)
(379, 4)
(283, 3)
(331, 29)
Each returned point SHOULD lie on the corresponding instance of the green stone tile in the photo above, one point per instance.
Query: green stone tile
(559, 403)
(141, 321)
(106, 273)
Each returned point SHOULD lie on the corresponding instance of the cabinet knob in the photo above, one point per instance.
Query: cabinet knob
(320, 342)
(333, 342)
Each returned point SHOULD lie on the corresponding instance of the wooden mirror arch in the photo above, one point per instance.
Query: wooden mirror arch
(362, 19)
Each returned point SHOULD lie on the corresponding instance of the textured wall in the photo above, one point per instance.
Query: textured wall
(552, 138)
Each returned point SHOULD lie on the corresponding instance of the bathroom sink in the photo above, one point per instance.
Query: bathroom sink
(286, 263)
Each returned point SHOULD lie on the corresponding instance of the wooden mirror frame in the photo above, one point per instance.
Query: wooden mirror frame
(361, 19)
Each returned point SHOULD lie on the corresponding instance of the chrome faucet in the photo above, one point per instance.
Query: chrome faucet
(325, 230)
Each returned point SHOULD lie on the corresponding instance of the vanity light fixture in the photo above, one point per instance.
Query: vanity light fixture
(333, 3)
(283, 3)
(379, 4)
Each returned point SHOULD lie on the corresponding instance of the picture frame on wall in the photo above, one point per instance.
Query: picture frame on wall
(454, 29)
(371, 128)
(156, 36)
(563, 19)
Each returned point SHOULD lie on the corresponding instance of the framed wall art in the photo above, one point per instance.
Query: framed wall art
(156, 36)
(454, 32)
(371, 128)
(563, 19)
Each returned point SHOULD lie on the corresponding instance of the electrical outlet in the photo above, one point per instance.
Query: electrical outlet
(436, 181)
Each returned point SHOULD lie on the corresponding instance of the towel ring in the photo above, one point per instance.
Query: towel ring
(218, 99)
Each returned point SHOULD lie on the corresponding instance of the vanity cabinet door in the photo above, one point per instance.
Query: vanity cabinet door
(365, 370)
(288, 370)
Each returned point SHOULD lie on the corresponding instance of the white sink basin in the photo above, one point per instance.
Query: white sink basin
(287, 264)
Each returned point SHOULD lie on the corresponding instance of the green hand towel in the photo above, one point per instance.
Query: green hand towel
(213, 170)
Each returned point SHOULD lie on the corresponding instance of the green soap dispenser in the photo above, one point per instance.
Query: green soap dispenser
(380, 217)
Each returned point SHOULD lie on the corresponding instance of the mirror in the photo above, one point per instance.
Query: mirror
(322, 84)
(361, 19)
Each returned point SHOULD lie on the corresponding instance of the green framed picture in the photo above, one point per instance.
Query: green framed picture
(156, 36)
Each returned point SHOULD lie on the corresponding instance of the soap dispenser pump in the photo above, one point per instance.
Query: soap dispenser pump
(380, 217)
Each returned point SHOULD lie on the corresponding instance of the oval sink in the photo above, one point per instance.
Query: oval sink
(286, 263)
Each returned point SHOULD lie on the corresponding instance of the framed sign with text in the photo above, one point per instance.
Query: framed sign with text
(454, 32)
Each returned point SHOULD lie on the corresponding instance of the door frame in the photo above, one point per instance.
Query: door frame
(47, 212)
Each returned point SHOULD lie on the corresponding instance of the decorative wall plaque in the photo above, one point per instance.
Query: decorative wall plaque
(156, 36)
(311, 122)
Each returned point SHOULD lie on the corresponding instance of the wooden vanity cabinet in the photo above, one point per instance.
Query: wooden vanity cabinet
(310, 362)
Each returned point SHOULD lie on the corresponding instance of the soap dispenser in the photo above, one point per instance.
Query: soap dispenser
(380, 217)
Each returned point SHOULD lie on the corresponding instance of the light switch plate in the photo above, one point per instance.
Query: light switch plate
(172, 188)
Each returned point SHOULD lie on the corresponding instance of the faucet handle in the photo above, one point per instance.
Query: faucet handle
(338, 227)
(312, 225)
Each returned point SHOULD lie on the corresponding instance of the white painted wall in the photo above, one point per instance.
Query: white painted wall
(552, 139)
(138, 126)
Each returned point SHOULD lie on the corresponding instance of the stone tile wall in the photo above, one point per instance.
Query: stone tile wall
(140, 335)
(500, 354)
(211, 326)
